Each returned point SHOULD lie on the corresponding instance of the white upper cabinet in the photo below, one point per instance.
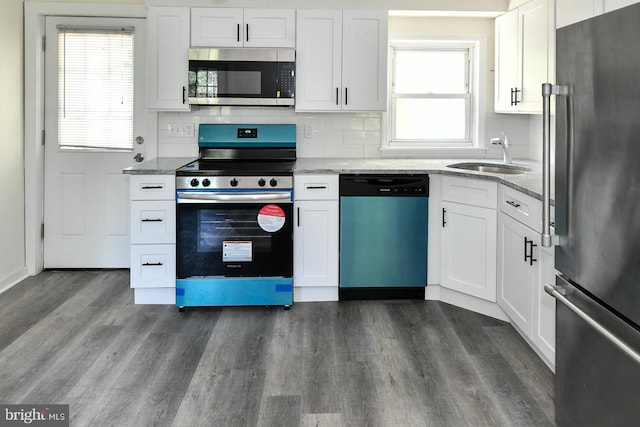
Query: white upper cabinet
(229, 27)
(341, 60)
(571, 11)
(521, 58)
(167, 58)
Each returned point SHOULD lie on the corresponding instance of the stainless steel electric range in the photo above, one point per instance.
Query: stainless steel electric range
(234, 219)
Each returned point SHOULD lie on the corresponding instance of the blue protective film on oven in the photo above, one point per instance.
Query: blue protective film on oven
(213, 135)
(233, 291)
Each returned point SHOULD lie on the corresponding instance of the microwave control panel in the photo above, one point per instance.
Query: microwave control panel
(286, 86)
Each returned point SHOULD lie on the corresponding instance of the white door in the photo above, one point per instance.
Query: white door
(86, 208)
(468, 250)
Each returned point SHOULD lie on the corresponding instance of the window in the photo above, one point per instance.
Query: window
(433, 99)
(95, 88)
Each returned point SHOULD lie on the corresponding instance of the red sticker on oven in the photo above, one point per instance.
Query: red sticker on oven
(271, 218)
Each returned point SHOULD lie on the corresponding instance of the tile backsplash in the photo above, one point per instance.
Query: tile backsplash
(352, 135)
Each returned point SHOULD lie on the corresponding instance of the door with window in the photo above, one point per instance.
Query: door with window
(94, 128)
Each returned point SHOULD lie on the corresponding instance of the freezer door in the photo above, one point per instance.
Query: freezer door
(597, 158)
(596, 383)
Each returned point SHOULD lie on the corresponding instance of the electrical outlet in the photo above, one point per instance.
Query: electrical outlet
(308, 131)
(188, 130)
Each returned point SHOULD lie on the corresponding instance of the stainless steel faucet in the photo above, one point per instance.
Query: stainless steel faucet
(503, 142)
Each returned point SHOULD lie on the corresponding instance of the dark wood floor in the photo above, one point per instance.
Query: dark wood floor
(76, 338)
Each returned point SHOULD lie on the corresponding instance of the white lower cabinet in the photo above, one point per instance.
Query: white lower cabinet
(153, 239)
(523, 269)
(468, 237)
(315, 242)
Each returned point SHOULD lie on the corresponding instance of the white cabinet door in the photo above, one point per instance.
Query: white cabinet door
(516, 272)
(236, 27)
(318, 60)
(506, 60)
(269, 28)
(316, 243)
(364, 61)
(341, 60)
(521, 93)
(533, 47)
(468, 250)
(219, 27)
(544, 308)
(168, 58)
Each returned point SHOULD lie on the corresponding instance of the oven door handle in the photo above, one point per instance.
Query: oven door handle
(282, 197)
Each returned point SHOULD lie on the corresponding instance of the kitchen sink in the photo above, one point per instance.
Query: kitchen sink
(491, 167)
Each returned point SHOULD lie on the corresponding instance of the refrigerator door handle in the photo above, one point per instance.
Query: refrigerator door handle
(557, 294)
(548, 89)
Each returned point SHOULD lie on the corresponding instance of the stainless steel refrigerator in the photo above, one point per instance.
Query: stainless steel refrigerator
(597, 208)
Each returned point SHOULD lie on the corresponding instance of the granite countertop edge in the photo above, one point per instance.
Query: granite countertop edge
(529, 183)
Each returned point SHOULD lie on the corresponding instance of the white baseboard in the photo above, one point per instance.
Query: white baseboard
(154, 296)
(315, 293)
(12, 279)
(468, 302)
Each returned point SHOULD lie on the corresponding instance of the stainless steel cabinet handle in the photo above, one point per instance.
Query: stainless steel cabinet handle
(298, 217)
(247, 32)
(444, 211)
(238, 33)
(512, 203)
(346, 96)
(152, 187)
(152, 264)
(152, 220)
(554, 292)
(316, 187)
(184, 94)
(337, 95)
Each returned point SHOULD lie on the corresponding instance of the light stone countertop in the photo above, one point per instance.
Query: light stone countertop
(158, 166)
(529, 182)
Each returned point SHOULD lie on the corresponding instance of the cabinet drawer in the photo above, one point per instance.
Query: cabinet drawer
(521, 207)
(152, 187)
(315, 187)
(473, 192)
(153, 221)
(153, 266)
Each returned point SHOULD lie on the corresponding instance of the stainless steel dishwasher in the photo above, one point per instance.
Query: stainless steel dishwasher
(383, 236)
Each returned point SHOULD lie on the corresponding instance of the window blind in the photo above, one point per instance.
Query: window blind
(95, 88)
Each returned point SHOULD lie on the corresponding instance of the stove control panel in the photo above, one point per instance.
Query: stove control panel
(232, 182)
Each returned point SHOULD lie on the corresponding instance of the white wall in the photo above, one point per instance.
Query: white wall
(12, 254)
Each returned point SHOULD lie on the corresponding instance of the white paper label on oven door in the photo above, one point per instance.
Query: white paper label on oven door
(271, 218)
(233, 251)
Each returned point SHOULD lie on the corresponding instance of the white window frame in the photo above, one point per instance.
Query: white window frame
(474, 146)
(79, 122)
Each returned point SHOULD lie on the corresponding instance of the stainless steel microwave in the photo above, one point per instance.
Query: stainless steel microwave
(242, 76)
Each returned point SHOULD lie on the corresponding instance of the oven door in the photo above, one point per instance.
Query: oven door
(234, 234)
